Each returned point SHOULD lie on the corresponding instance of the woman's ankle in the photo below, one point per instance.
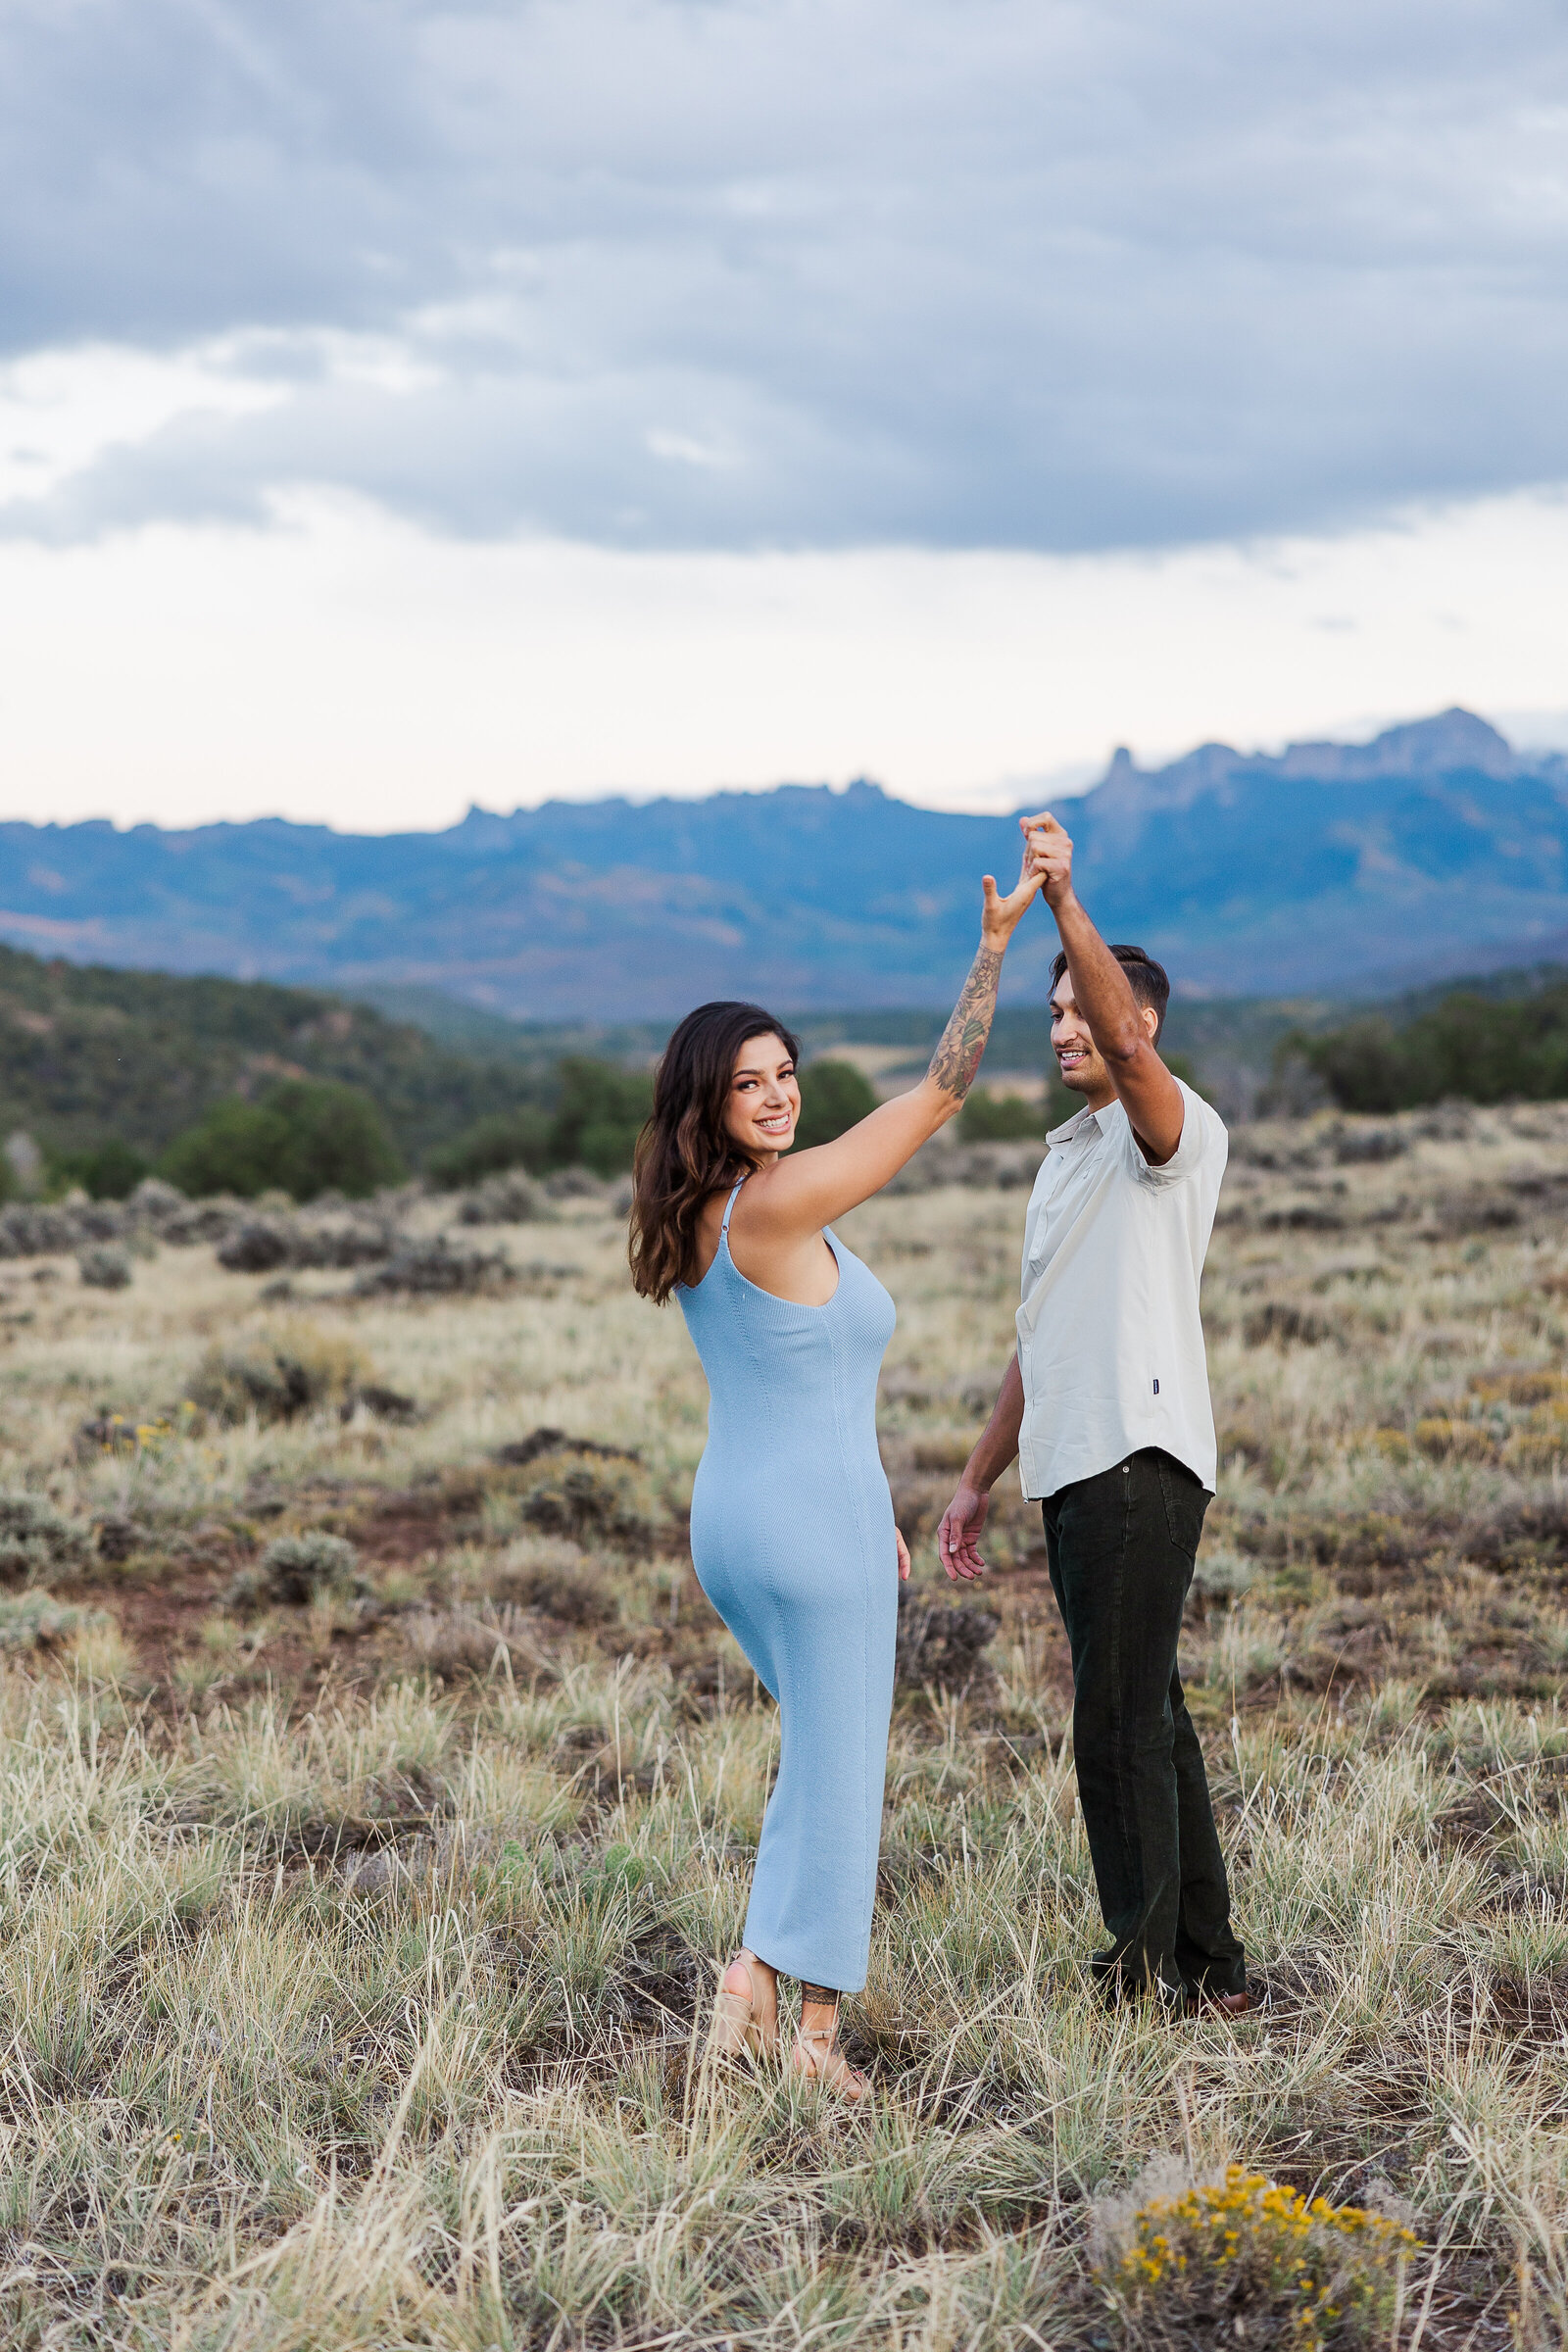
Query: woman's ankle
(752, 1976)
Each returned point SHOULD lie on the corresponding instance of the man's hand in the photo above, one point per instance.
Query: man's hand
(960, 1532)
(965, 1514)
(1048, 853)
(903, 1556)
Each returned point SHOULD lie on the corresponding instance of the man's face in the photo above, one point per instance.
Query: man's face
(1078, 1058)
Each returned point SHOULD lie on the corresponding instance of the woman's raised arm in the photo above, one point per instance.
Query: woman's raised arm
(810, 1188)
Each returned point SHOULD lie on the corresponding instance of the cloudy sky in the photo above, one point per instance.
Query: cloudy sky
(405, 404)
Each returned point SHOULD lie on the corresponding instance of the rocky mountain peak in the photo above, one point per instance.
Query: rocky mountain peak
(1452, 741)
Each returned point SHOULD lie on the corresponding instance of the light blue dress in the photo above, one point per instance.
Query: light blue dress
(792, 1536)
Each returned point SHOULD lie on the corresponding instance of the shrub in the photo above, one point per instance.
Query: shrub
(598, 1109)
(36, 1539)
(940, 1645)
(457, 1641)
(303, 1137)
(276, 1375)
(1223, 1574)
(988, 1118)
(1354, 1145)
(513, 1199)
(109, 1171)
(120, 1537)
(1283, 1325)
(599, 1115)
(1244, 2254)
(574, 1595)
(261, 1245)
(238, 1148)
(834, 1096)
(258, 1246)
(299, 1569)
(111, 1432)
(104, 1269)
(517, 1138)
(605, 1501)
(1485, 1048)
(388, 1404)
(37, 1621)
(432, 1268)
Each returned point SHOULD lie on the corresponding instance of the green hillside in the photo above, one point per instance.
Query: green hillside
(91, 1055)
(89, 1052)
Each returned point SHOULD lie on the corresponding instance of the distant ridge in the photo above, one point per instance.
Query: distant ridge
(1434, 848)
(1455, 742)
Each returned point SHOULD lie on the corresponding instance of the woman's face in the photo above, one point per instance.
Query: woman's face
(765, 1099)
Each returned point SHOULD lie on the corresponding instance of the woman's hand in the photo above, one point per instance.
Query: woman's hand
(807, 1189)
(903, 1556)
(1002, 915)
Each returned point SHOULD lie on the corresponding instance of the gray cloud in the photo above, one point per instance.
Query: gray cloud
(729, 273)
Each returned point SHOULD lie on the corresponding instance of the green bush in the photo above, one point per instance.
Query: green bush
(1483, 1048)
(834, 1096)
(988, 1118)
(303, 1137)
(599, 1114)
(36, 1539)
(37, 1621)
(109, 1171)
(275, 1374)
(297, 1569)
(105, 1270)
(517, 1138)
(599, 1110)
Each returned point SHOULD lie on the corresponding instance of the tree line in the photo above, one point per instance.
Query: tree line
(1471, 1043)
(305, 1137)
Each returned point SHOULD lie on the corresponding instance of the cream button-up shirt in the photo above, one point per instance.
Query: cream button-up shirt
(1110, 1345)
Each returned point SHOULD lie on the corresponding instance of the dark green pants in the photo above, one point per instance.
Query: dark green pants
(1121, 1549)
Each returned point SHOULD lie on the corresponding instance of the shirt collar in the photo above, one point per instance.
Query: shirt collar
(1085, 1122)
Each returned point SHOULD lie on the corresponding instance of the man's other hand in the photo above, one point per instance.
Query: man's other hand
(1049, 854)
(960, 1532)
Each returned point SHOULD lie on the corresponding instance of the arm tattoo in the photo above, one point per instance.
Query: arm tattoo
(964, 1041)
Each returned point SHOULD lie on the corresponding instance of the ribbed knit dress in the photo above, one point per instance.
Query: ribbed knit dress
(792, 1536)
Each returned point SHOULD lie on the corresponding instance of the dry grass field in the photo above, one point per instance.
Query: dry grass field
(359, 1898)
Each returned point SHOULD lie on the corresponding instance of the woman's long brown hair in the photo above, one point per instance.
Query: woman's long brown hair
(683, 1153)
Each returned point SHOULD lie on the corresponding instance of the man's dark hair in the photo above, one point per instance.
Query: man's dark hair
(1150, 981)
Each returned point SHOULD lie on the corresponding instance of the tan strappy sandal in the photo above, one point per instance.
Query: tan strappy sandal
(818, 2058)
(738, 2031)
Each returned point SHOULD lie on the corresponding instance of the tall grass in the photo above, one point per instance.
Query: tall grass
(352, 1974)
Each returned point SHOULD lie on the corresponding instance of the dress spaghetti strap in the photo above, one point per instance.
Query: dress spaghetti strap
(729, 1210)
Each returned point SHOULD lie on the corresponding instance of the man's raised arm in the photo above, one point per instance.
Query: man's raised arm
(1123, 1030)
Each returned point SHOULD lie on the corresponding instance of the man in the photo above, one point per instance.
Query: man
(1106, 1406)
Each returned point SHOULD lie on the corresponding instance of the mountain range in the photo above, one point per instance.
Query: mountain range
(1341, 867)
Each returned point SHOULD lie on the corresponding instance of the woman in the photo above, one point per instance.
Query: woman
(792, 1522)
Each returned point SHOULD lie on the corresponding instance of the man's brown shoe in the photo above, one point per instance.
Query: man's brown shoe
(1229, 2004)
